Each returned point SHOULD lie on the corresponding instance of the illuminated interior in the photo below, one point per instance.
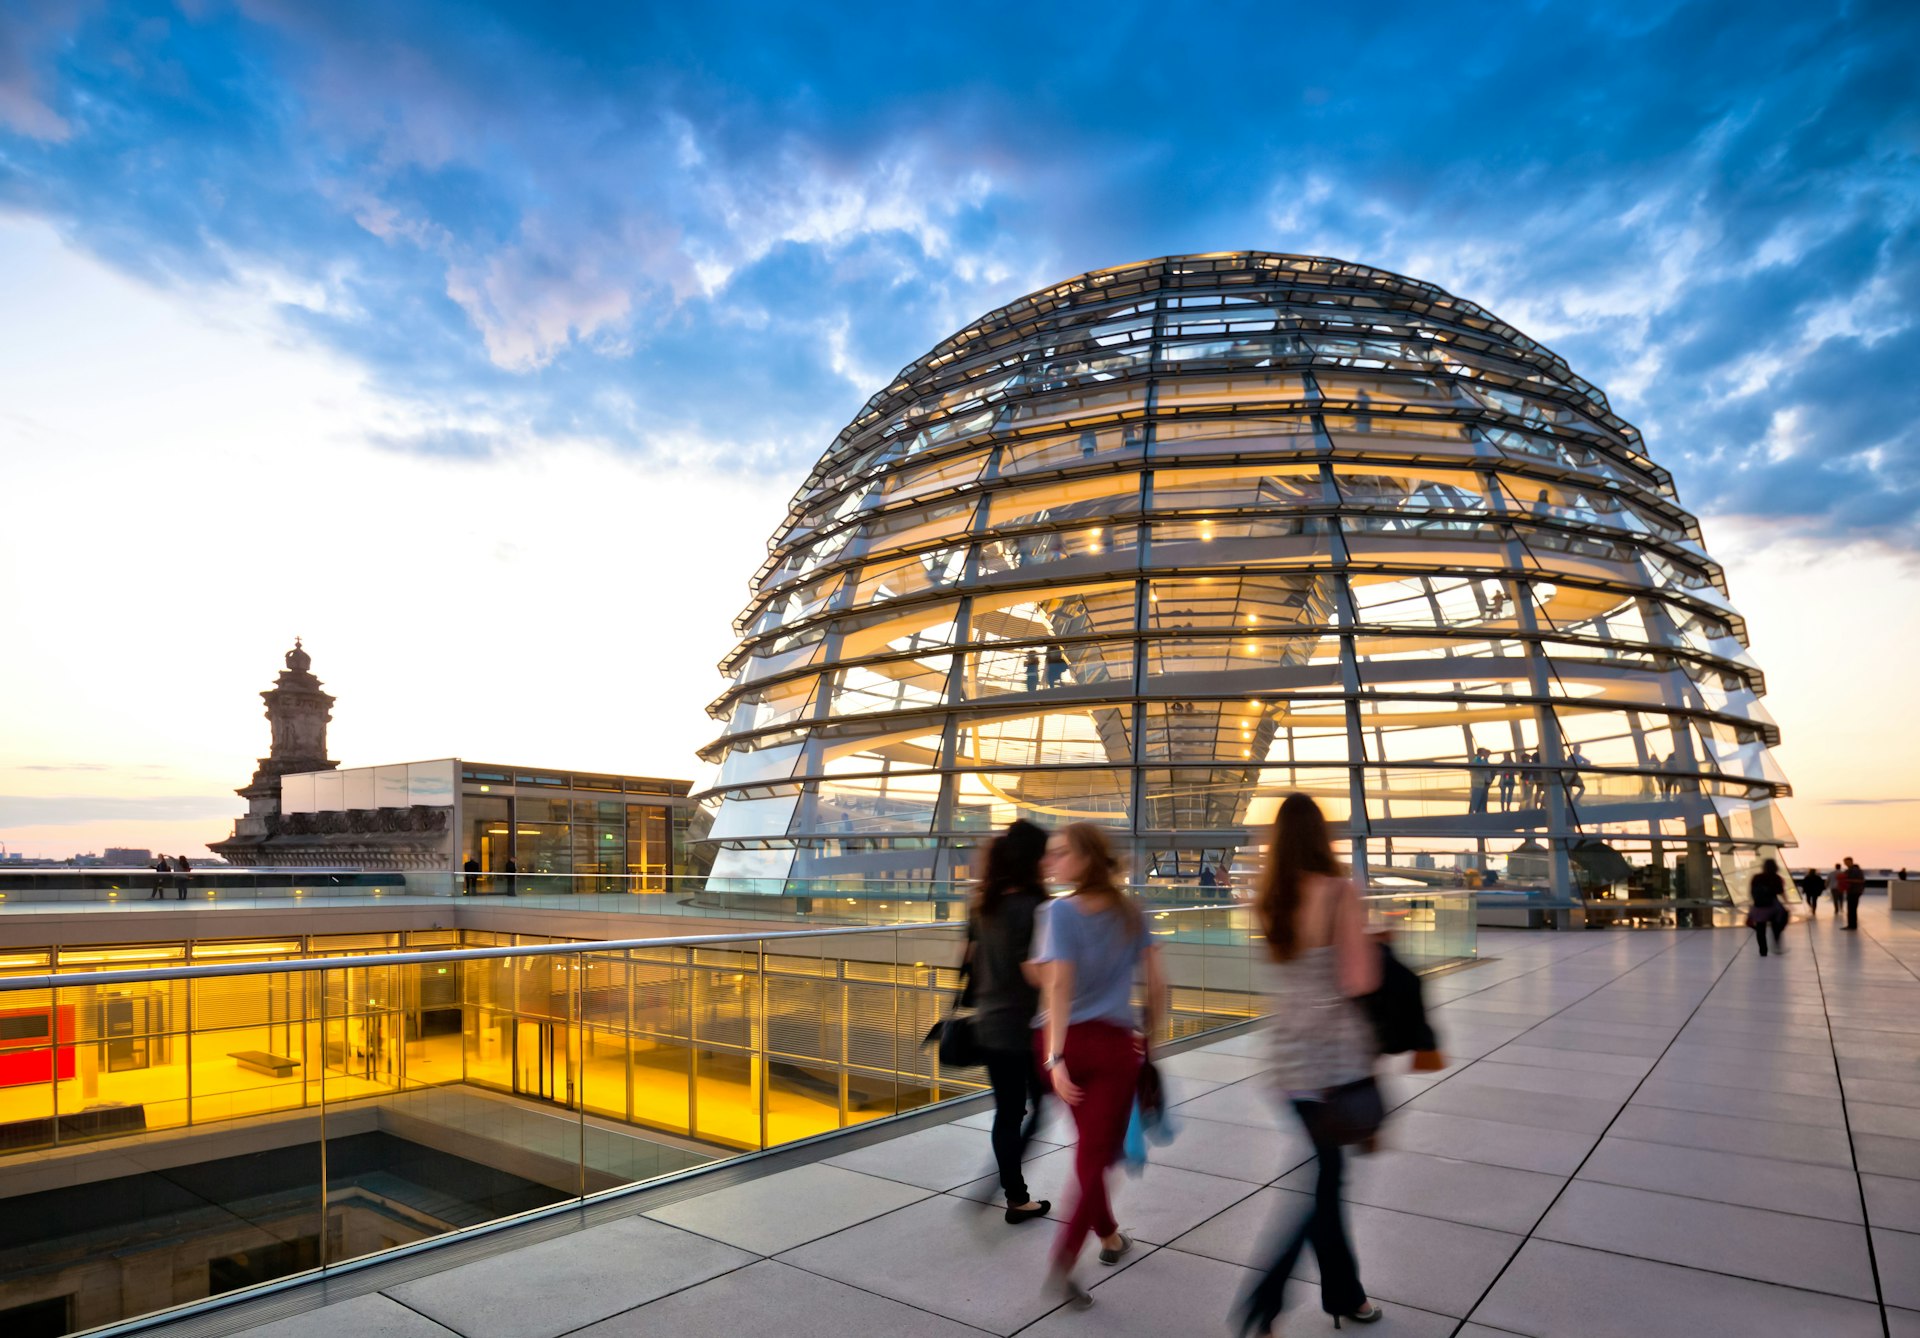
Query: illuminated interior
(1158, 545)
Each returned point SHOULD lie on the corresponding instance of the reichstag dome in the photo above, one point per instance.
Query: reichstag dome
(1158, 545)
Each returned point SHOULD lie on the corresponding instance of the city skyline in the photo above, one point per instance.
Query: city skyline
(480, 396)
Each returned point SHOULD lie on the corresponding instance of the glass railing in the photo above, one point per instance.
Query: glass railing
(216, 1127)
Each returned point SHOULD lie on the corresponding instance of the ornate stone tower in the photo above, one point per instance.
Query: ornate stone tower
(298, 711)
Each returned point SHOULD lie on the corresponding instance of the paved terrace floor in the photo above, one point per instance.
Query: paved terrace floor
(1644, 1133)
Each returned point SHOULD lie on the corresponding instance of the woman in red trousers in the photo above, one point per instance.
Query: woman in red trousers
(1089, 946)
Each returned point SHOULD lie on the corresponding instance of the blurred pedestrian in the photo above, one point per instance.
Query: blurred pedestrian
(1812, 885)
(1853, 881)
(1092, 942)
(160, 870)
(1508, 777)
(1769, 909)
(1324, 1046)
(1006, 1000)
(183, 875)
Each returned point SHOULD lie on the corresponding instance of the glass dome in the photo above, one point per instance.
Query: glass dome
(1158, 545)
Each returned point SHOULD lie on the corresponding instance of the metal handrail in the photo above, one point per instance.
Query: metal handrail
(139, 975)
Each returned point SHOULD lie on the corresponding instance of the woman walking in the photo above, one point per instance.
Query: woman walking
(999, 938)
(1091, 942)
(1321, 961)
(1769, 910)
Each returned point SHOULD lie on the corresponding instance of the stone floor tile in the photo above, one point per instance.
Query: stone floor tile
(1741, 1103)
(1866, 1117)
(1167, 1292)
(1877, 1154)
(1892, 1202)
(1551, 1151)
(1459, 1191)
(777, 1212)
(941, 1157)
(1756, 1138)
(1903, 1323)
(1156, 1206)
(569, 1281)
(1583, 1061)
(1750, 1077)
(1252, 1102)
(1612, 1088)
(1724, 1238)
(1543, 1110)
(1416, 1261)
(1897, 1255)
(1601, 1040)
(373, 1316)
(1885, 1092)
(946, 1256)
(1236, 1151)
(773, 1298)
(1831, 1192)
(1561, 1291)
(1213, 1067)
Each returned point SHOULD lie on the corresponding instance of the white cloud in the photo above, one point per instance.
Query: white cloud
(188, 491)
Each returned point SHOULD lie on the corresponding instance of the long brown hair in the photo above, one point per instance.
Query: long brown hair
(1100, 872)
(1012, 865)
(1300, 846)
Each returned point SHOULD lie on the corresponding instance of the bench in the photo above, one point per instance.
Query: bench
(259, 1061)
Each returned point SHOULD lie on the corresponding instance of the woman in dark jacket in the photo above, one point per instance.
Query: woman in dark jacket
(1769, 910)
(999, 936)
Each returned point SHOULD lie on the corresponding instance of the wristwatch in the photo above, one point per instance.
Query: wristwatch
(1050, 1062)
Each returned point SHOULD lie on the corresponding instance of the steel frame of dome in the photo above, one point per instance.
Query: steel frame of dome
(1157, 545)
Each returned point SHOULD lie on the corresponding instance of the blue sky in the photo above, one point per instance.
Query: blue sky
(710, 231)
(386, 323)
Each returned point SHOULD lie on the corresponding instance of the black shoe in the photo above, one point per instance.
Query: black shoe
(1041, 1207)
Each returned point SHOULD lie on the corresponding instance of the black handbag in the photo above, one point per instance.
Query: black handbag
(953, 1036)
(1344, 1115)
(1150, 1092)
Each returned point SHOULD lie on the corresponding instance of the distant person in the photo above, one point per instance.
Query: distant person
(1206, 876)
(511, 870)
(1056, 666)
(1092, 943)
(183, 874)
(1536, 788)
(160, 870)
(1480, 780)
(1542, 505)
(1575, 782)
(1903, 873)
(1769, 909)
(1006, 1000)
(1033, 671)
(1089, 444)
(1508, 777)
(1320, 963)
(1812, 885)
(472, 869)
(1670, 777)
(1853, 881)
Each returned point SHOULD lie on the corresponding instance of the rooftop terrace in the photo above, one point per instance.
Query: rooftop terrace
(1643, 1133)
